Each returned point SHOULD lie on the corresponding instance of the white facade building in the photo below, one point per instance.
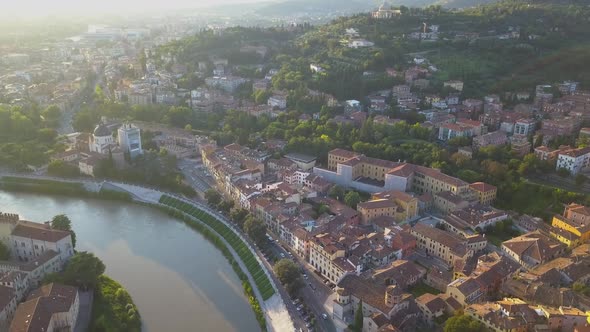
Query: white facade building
(574, 160)
(31, 240)
(101, 139)
(129, 137)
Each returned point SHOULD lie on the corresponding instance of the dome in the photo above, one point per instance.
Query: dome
(102, 130)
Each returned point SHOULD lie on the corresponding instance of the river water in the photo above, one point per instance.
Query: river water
(177, 279)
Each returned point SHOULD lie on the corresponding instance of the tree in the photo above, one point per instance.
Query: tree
(4, 252)
(289, 275)
(256, 230)
(580, 179)
(63, 169)
(213, 197)
(225, 205)
(83, 269)
(352, 198)
(336, 192)
(462, 323)
(62, 222)
(239, 216)
(358, 318)
(51, 115)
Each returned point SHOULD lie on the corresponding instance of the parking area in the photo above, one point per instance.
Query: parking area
(195, 173)
(310, 312)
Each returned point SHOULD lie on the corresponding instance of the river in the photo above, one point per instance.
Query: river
(177, 279)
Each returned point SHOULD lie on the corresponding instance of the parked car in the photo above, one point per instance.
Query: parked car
(282, 255)
(305, 276)
(324, 316)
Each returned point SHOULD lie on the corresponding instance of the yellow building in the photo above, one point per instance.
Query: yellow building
(376, 208)
(408, 204)
(573, 228)
(485, 193)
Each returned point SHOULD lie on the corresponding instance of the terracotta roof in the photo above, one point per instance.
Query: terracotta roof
(535, 245)
(35, 314)
(343, 153)
(432, 302)
(39, 232)
(377, 204)
(482, 187)
(447, 239)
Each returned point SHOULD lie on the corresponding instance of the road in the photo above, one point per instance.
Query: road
(315, 293)
(67, 116)
(194, 172)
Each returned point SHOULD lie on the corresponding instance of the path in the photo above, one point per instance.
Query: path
(85, 311)
(277, 315)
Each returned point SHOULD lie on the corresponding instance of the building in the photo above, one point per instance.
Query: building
(524, 127)
(494, 139)
(385, 13)
(573, 228)
(574, 160)
(303, 161)
(507, 315)
(8, 304)
(457, 85)
(441, 244)
(447, 131)
(129, 137)
(227, 83)
(326, 255)
(446, 202)
(407, 205)
(31, 240)
(532, 249)
(485, 193)
(53, 307)
(278, 100)
(101, 139)
(431, 306)
(350, 169)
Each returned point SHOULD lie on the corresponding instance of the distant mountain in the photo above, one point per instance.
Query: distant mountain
(295, 7)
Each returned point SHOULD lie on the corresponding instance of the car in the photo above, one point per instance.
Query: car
(306, 318)
(324, 316)
(296, 301)
(299, 308)
(308, 325)
(305, 276)
(282, 255)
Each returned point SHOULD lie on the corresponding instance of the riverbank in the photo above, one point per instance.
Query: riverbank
(75, 189)
(218, 243)
(113, 308)
(54, 187)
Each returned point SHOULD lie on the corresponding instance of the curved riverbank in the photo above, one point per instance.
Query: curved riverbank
(258, 286)
(177, 279)
(113, 308)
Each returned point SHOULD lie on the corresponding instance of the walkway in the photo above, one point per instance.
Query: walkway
(85, 311)
(277, 315)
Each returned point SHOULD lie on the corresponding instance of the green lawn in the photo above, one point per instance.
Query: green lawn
(422, 288)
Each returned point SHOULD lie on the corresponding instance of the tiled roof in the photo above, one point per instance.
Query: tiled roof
(37, 231)
(482, 187)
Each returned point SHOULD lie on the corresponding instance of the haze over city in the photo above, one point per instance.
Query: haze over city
(294, 165)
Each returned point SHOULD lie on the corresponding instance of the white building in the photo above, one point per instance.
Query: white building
(574, 160)
(31, 240)
(358, 43)
(129, 137)
(101, 139)
(279, 101)
(524, 127)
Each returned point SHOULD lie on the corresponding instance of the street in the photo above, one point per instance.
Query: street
(314, 294)
(195, 174)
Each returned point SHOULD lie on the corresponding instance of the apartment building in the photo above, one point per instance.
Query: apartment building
(485, 193)
(373, 175)
(441, 244)
(532, 249)
(573, 228)
(574, 160)
(327, 256)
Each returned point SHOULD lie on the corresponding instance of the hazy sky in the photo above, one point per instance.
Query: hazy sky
(24, 8)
